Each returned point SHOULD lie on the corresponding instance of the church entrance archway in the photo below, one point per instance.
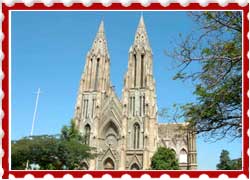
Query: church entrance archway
(109, 164)
(134, 167)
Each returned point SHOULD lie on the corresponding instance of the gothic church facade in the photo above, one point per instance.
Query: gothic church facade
(125, 132)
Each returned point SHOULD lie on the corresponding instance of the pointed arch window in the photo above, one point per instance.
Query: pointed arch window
(142, 69)
(183, 156)
(130, 104)
(135, 167)
(133, 106)
(93, 107)
(140, 105)
(109, 164)
(91, 64)
(86, 108)
(136, 136)
(83, 107)
(97, 73)
(87, 134)
(135, 66)
(143, 103)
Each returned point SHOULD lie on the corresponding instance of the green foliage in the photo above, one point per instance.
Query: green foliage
(236, 164)
(164, 159)
(217, 48)
(179, 75)
(72, 153)
(38, 149)
(224, 161)
(51, 152)
(227, 164)
(71, 132)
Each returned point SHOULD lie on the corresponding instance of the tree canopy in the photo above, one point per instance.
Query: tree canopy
(216, 47)
(227, 164)
(66, 151)
(164, 159)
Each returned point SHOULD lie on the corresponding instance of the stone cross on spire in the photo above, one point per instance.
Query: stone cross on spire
(100, 44)
(141, 37)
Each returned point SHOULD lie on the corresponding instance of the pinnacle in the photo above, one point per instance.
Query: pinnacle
(141, 22)
(101, 27)
(141, 33)
(100, 34)
(100, 43)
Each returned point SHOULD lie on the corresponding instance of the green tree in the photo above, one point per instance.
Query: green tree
(164, 159)
(66, 151)
(215, 46)
(19, 154)
(40, 150)
(227, 164)
(237, 164)
(72, 154)
(71, 132)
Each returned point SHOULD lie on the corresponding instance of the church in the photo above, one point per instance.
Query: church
(125, 132)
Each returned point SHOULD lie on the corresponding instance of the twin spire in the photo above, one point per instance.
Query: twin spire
(100, 42)
(141, 26)
(100, 34)
(141, 37)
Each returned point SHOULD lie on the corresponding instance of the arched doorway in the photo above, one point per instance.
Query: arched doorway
(109, 164)
(135, 167)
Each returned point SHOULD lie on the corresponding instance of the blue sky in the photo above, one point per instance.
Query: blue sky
(49, 50)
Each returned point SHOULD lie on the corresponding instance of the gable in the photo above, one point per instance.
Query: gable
(112, 108)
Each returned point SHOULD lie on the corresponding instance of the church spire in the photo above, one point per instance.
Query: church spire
(96, 71)
(141, 22)
(141, 37)
(101, 30)
(100, 44)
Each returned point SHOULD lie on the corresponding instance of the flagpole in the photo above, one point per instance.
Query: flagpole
(33, 121)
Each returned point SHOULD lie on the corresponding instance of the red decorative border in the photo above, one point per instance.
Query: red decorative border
(118, 6)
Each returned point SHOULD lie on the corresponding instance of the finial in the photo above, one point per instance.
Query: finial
(141, 22)
(101, 27)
